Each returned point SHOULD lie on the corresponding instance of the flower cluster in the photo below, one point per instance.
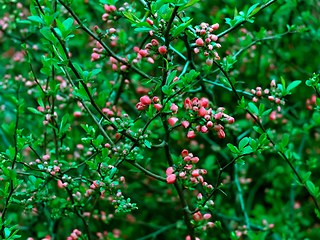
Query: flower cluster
(202, 118)
(145, 101)
(206, 42)
(186, 170)
(76, 234)
(274, 94)
(201, 222)
(311, 101)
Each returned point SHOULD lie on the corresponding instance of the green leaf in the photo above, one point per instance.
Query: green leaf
(311, 188)
(243, 142)
(233, 148)
(192, 2)
(67, 23)
(293, 85)
(171, 76)
(35, 111)
(285, 140)
(45, 31)
(36, 19)
(181, 28)
(253, 108)
(251, 9)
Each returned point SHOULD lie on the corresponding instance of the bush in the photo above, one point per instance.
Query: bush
(159, 119)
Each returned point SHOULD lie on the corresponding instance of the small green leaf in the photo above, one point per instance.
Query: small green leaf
(253, 108)
(311, 188)
(285, 140)
(293, 85)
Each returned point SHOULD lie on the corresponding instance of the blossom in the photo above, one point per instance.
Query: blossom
(171, 178)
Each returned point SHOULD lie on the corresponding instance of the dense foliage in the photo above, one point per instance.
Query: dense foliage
(159, 119)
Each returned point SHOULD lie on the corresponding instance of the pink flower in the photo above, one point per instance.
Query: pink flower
(199, 42)
(204, 102)
(195, 173)
(209, 124)
(273, 83)
(196, 50)
(191, 134)
(184, 153)
(182, 174)
(155, 43)
(185, 124)
(230, 120)
(209, 61)
(155, 99)
(202, 112)
(140, 106)
(143, 53)
(169, 171)
(218, 115)
(114, 67)
(215, 26)
(206, 216)
(210, 224)
(197, 216)
(187, 103)
(162, 50)
(174, 108)
(145, 100)
(221, 134)
(171, 178)
(149, 21)
(172, 121)
(194, 160)
(199, 197)
(271, 98)
(158, 106)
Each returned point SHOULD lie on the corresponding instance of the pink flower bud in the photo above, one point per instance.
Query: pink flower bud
(221, 134)
(209, 61)
(184, 153)
(157, 106)
(182, 174)
(114, 67)
(210, 224)
(140, 106)
(162, 50)
(271, 98)
(155, 99)
(185, 124)
(195, 173)
(215, 26)
(169, 171)
(197, 216)
(154, 42)
(172, 121)
(194, 160)
(266, 91)
(149, 21)
(171, 178)
(202, 112)
(273, 83)
(145, 100)
(199, 42)
(191, 134)
(143, 53)
(230, 120)
(209, 124)
(199, 197)
(196, 50)
(204, 129)
(206, 216)
(174, 108)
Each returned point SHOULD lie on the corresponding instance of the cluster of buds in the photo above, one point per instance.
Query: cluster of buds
(204, 118)
(206, 42)
(145, 101)
(311, 102)
(201, 222)
(274, 94)
(111, 13)
(121, 204)
(153, 47)
(76, 234)
(186, 170)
